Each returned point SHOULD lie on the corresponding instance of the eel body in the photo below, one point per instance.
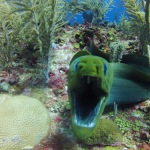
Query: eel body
(130, 85)
(94, 83)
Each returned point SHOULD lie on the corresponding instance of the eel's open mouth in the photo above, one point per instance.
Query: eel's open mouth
(88, 101)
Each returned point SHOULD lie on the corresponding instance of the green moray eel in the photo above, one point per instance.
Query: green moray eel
(94, 83)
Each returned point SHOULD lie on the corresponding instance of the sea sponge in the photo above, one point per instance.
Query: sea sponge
(24, 122)
(105, 133)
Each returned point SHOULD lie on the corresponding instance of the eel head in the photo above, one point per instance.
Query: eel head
(89, 82)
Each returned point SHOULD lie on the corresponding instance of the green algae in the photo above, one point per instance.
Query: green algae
(105, 133)
(111, 148)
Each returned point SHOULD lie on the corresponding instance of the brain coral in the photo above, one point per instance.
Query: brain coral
(24, 122)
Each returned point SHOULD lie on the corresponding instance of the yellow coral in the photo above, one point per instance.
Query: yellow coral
(24, 122)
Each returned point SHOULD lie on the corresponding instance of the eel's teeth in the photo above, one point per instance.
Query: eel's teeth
(88, 80)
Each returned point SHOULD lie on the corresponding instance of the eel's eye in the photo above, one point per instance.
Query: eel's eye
(105, 69)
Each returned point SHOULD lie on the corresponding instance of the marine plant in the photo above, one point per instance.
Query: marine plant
(124, 25)
(41, 20)
(139, 15)
(93, 10)
(10, 25)
(35, 27)
(97, 9)
(28, 28)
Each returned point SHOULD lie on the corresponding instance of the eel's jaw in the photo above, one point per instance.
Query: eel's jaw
(88, 105)
(88, 120)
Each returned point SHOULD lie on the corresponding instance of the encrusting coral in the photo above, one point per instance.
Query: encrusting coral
(24, 122)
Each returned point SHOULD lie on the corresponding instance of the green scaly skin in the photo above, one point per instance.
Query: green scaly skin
(94, 83)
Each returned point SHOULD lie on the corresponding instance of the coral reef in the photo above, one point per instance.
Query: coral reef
(57, 82)
(25, 33)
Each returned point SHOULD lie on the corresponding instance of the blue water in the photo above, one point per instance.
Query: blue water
(117, 11)
(113, 15)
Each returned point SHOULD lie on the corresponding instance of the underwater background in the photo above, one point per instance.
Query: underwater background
(113, 15)
(74, 75)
